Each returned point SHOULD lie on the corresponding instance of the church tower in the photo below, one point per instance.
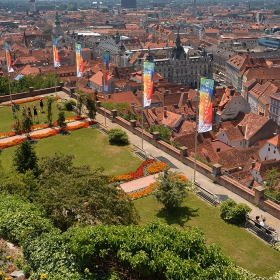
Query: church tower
(57, 28)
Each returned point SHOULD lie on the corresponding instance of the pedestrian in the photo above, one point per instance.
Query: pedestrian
(41, 105)
(35, 113)
(29, 113)
(14, 110)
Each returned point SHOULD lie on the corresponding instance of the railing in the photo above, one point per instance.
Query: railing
(206, 195)
(271, 198)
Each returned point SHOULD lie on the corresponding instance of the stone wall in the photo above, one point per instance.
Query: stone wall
(30, 93)
(255, 196)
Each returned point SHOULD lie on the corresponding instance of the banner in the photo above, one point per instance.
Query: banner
(56, 59)
(205, 104)
(106, 59)
(8, 58)
(149, 70)
(79, 60)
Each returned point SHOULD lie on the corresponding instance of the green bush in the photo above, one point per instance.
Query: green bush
(234, 213)
(118, 136)
(69, 105)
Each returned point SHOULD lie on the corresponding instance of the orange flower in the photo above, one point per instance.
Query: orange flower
(156, 167)
(143, 192)
(181, 177)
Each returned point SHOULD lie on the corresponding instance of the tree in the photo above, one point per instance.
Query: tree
(171, 191)
(164, 132)
(91, 106)
(271, 177)
(78, 194)
(26, 124)
(25, 158)
(61, 120)
(49, 106)
(118, 136)
(233, 212)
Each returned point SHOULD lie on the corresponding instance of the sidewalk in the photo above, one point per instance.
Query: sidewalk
(178, 166)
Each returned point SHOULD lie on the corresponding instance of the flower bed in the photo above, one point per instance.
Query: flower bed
(7, 134)
(156, 167)
(31, 99)
(152, 187)
(143, 192)
(11, 143)
(52, 132)
(138, 173)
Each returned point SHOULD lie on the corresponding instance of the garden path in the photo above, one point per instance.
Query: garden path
(138, 184)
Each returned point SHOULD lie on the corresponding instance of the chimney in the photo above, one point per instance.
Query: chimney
(166, 92)
(182, 89)
(117, 89)
(253, 164)
(187, 94)
(109, 95)
(154, 110)
(165, 112)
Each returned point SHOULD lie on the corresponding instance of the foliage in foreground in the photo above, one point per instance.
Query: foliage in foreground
(154, 251)
(71, 194)
(233, 212)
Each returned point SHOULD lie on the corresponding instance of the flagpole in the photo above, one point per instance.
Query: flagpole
(142, 114)
(8, 58)
(105, 115)
(196, 127)
(9, 86)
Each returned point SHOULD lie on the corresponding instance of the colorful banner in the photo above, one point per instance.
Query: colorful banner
(205, 104)
(8, 58)
(56, 59)
(106, 59)
(79, 60)
(149, 70)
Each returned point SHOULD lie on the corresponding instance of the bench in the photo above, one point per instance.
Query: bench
(206, 195)
(264, 233)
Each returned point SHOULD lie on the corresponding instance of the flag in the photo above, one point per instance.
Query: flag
(56, 58)
(8, 58)
(149, 70)
(79, 60)
(205, 104)
(106, 59)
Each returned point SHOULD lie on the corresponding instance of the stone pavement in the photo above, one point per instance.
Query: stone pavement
(137, 184)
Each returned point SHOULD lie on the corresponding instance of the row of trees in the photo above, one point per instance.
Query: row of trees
(23, 84)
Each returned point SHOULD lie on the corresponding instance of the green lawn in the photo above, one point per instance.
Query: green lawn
(247, 250)
(89, 146)
(7, 120)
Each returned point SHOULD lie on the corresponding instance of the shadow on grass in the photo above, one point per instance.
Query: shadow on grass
(178, 216)
(118, 144)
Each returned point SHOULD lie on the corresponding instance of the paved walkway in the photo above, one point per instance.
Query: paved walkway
(140, 183)
(178, 166)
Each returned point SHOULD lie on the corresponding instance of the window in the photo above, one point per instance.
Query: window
(268, 149)
(274, 152)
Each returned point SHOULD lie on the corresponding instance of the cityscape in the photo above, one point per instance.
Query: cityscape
(193, 87)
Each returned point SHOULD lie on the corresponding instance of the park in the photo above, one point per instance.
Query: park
(91, 147)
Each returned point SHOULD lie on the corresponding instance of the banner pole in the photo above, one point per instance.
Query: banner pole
(142, 113)
(196, 127)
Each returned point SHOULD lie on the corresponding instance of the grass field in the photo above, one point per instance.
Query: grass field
(244, 248)
(7, 120)
(89, 146)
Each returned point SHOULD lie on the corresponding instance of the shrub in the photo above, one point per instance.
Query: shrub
(69, 105)
(234, 213)
(118, 136)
